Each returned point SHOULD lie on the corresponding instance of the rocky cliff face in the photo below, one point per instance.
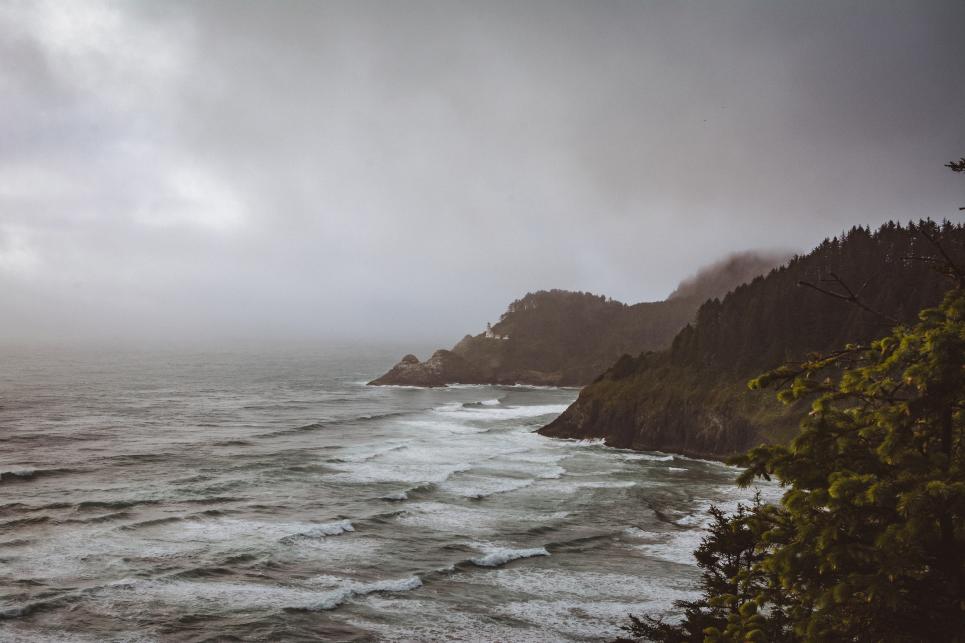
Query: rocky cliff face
(703, 414)
(693, 398)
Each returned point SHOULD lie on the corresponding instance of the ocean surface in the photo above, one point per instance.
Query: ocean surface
(271, 495)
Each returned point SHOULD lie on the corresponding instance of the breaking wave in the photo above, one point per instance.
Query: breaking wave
(495, 556)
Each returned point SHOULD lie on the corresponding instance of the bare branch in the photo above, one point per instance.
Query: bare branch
(849, 297)
(922, 258)
(956, 271)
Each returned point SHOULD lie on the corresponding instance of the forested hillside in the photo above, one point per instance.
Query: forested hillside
(563, 338)
(693, 397)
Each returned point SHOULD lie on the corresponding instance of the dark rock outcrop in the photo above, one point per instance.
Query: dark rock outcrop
(442, 368)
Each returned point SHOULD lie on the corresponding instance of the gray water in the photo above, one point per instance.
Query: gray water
(271, 495)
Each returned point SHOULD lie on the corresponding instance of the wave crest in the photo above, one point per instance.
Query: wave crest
(497, 556)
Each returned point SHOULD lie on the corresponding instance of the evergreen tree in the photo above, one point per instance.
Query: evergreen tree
(729, 559)
(871, 532)
(867, 543)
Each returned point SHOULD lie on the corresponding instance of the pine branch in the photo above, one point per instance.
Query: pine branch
(957, 166)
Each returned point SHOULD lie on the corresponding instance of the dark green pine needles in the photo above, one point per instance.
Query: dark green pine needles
(867, 543)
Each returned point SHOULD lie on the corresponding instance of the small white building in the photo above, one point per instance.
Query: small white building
(491, 334)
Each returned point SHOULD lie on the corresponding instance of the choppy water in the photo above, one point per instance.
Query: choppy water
(273, 496)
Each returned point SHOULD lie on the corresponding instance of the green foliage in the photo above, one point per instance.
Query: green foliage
(867, 543)
(729, 559)
(876, 500)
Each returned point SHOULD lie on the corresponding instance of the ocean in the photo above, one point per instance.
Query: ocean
(271, 495)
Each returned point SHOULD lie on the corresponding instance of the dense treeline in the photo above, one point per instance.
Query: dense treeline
(691, 399)
(771, 320)
(868, 542)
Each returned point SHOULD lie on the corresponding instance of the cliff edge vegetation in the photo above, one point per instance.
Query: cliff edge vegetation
(693, 397)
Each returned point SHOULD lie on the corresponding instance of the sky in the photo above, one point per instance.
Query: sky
(201, 171)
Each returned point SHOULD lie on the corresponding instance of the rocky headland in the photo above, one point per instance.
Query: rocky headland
(564, 338)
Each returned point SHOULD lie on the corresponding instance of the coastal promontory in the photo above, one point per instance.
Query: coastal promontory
(565, 338)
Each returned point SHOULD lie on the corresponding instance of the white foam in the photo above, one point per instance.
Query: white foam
(368, 453)
(529, 456)
(337, 554)
(570, 487)
(505, 413)
(27, 633)
(22, 472)
(636, 532)
(417, 621)
(675, 547)
(208, 596)
(217, 596)
(590, 442)
(542, 387)
(555, 473)
(510, 468)
(397, 585)
(454, 519)
(677, 550)
(482, 487)
(496, 555)
(579, 619)
(371, 472)
(457, 387)
(435, 426)
(645, 456)
(336, 597)
(329, 529)
(444, 517)
(546, 582)
(228, 529)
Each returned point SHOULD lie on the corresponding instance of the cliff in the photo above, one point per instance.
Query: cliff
(692, 398)
(563, 338)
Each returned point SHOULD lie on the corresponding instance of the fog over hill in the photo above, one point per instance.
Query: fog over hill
(721, 276)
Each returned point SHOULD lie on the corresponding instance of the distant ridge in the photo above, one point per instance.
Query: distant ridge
(564, 338)
(692, 398)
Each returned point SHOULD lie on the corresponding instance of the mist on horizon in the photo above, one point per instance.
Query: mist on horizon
(366, 170)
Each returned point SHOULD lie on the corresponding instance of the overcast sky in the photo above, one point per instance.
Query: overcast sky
(402, 170)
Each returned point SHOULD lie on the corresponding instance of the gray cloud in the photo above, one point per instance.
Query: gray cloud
(402, 170)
